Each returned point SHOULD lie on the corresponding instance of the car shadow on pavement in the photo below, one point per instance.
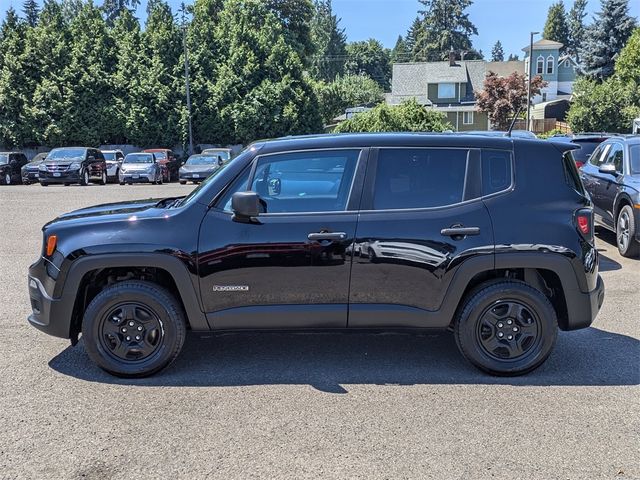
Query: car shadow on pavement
(330, 362)
(606, 264)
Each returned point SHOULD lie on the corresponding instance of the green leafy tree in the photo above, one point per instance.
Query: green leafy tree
(330, 41)
(86, 81)
(401, 51)
(497, 53)
(14, 83)
(369, 58)
(113, 8)
(409, 116)
(445, 27)
(556, 27)
(628, 62)
(261, 90)
(502, 97)
(610, 31)
(71, 8)
(345, 92)
(608, 106)
(47, 53)
(576, 28)
(31, 12)
(295, 17)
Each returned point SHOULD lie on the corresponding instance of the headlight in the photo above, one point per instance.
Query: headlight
(75, 166)
(42, 167)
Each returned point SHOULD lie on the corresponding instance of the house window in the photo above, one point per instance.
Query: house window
(540, 65)
(544, 96)
(446, 90)
(467, 118)
(550, 62)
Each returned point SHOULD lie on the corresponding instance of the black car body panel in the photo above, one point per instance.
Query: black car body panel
(11, 164)
(364, 264)
(30, 172)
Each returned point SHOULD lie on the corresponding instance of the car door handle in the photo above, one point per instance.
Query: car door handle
(460, 231)
(327, 236)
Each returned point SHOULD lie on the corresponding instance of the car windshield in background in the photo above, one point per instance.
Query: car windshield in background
(66, 154)
(109, 156)
(635, 159)
(225, 154)
(4, 158)
(138, 158)
(160, 155)
(202, 160)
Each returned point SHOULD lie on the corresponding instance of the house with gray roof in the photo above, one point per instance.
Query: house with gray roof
(449, 86)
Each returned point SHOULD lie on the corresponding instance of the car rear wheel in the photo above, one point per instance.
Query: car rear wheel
(103, 180)
(84, 178)
(44, 184)
(626, 229)
(133, 329)
(506, 328)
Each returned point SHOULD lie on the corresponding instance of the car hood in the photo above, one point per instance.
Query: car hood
(197, 168)
(110, 211)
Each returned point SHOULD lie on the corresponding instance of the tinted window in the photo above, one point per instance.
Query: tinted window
(419, 178)
(634, 150)
(615, 157)
(571, 173)
(599, 155)
(66, 154)
(586, 149)
(317, 181)
(496, 171)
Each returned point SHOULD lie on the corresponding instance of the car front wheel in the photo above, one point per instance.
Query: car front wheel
(506, 328)
(133, 329)
(7, 179)
(625, 233)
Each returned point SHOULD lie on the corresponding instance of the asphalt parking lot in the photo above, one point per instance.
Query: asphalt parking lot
(301, 406)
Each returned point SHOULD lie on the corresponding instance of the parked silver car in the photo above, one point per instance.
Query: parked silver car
(140, 167)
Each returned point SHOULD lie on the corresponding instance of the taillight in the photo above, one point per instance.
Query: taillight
(579, 164)
(584, 223)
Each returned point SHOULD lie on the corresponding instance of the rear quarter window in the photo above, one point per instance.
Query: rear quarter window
(571, 173)
(497, 171)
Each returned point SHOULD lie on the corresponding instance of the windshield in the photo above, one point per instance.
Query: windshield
(635, 159)
(138, 158)
(109, 155)
(66, 154)
(160, 155)
(224, 154)
(4, 158)
(202, 160)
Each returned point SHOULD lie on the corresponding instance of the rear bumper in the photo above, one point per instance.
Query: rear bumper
(584, 307)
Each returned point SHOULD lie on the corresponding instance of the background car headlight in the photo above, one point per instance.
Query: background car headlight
(75, 166)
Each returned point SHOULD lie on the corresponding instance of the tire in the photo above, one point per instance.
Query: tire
(121, 183)
(84, 178)
(44, 184)
(495, 312)
(153, 311)
(182, 182)
(626, 229)
(103, 179)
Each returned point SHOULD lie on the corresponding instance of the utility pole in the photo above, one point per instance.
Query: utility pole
(529, 80)
(183, 10)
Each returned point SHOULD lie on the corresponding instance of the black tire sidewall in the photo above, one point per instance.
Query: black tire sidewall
(633, 248)
(466, 328)
(153, 297)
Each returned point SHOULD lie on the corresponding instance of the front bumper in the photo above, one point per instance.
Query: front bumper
(137, 177)
(30, 177)
(50, 315)
(69, 176)
(584, 307)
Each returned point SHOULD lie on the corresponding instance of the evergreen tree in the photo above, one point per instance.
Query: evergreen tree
(14, 83)
(513, 58)
(113, 8)
(71, 8)
(261, 90)
(295, 17)
(47, 54)
(577, 29)
(31, 12)
(497, 53)
(414, 32)
(400, 52)
(369, 58)
(556, 28)
(445, 27)
(610, 31)
(330, 41)
(86, 81)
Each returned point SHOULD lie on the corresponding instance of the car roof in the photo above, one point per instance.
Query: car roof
(152, 150)
(111, 151)
(628, 138)
(7, 153)
(347, 140)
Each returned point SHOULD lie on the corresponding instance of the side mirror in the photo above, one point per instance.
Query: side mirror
(608, 168)
(245, 206)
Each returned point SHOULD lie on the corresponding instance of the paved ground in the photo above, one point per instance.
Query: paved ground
(299, 406)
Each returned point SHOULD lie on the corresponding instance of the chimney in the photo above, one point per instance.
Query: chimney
(452, 58)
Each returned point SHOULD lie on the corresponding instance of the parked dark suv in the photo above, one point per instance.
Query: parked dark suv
(73, 165)
(490, 237)
(612, 178)
(10, 165)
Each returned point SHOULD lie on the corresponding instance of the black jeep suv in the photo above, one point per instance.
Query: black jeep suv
(490, 237)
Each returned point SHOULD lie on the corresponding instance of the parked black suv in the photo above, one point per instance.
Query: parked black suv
(490, 237)
(10, 165)
(612, 178)
(30, 171)
(73, 165)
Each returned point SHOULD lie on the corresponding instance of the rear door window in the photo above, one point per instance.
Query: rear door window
(419, 178)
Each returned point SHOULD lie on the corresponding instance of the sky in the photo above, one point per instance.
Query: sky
(509, 21)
